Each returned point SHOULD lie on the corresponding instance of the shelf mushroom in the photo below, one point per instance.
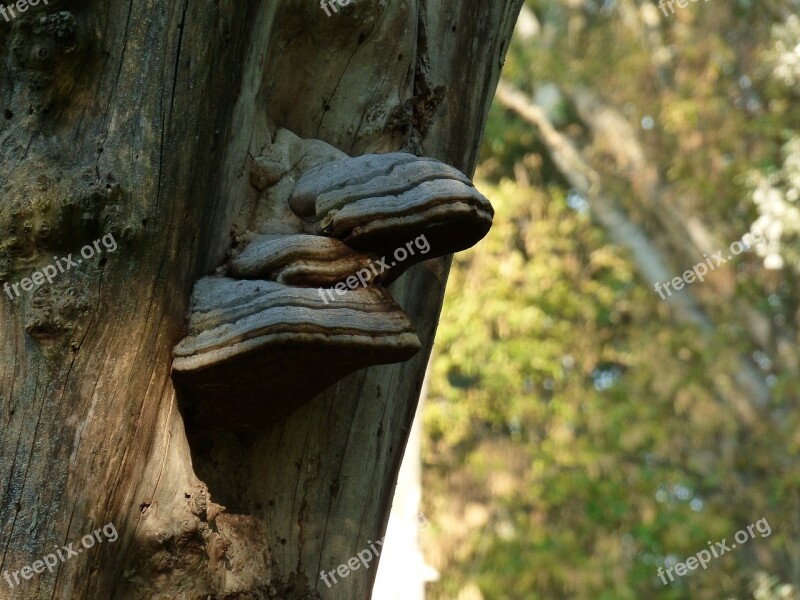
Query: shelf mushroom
(261, 340)
(256, 350)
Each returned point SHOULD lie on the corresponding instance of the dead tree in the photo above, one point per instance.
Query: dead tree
(146, 128)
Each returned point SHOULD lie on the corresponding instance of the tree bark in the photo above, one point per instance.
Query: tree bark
(140, 121)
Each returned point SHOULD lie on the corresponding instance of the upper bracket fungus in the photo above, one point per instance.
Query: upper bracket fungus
(261, 341)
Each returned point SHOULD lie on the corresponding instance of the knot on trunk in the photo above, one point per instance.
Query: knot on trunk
(43, 45)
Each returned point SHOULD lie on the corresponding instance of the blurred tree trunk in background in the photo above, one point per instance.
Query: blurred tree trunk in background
(140, 120)
(653, 249)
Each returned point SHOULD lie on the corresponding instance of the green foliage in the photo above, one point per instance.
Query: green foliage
(577, 438)
(585, 421)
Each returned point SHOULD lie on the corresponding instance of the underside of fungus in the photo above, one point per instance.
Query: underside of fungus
(264, 336)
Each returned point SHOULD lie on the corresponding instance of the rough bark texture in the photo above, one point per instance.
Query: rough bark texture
(142, 120)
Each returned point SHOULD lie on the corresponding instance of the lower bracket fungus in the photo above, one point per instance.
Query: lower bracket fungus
(256, 350)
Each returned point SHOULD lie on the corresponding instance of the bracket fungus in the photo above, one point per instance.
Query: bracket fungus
(258, 349)
(298, 259)
(378, 202)
(261, 340)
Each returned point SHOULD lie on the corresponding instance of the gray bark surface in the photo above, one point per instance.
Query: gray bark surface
(142, 120)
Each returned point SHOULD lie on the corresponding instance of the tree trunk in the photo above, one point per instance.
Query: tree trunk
(137, 124)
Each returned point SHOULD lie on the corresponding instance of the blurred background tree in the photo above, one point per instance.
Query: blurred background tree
(581, 432)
